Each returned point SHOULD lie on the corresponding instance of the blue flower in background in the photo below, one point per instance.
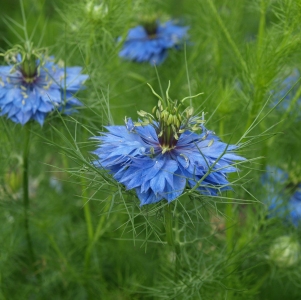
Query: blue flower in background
(160, 156)
(150, 43)
(294, 206)
(31, 88)
(282, 201)
(288, 90)
(274, 179)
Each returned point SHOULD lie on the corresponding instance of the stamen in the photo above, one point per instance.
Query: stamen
(24, 95)
(210, 143)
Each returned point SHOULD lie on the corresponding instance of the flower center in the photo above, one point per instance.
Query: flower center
(29, 68)
(169, 127)
(169, 121)
(151, 28)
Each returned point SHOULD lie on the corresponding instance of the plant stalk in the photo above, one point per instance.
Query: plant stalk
(171, 241)
(26, 190)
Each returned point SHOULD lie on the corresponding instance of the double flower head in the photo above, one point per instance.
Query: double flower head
(32, 85)
(165, 152)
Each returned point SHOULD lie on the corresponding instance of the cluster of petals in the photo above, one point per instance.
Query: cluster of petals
(139, 46)
(133, 155)
(282, 201)
(51, 89)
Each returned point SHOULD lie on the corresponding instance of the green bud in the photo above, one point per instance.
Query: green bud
(96, 12)
(285, 251)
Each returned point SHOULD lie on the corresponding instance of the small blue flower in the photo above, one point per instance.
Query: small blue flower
(274, 179)
(295, 206)
(150, 45)
(288, 90)
(282, 202)
(31, 88)
(162, 155)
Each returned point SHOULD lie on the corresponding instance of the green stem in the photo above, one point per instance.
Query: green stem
(235, 49)
(260, 281)
(261, 29)
(25, 190)
(259, 84)
(171, 241)
(221, 128)
(229, 240)
(168, 225)
(100, 230)
(87, 210)
(229, 226)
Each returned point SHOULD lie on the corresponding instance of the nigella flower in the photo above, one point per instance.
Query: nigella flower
(33, 86)
(160, 155)
(149, 43)
(284, 199)
(288, 90)
(295, 206)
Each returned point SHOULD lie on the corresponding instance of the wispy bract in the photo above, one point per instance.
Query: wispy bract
(149, 43)
(31, 87)
(163, 153)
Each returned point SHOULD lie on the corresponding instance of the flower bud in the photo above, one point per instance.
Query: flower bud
(96, 11)
(284, 252)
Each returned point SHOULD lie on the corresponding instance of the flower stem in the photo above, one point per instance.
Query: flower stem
(25, 190)
(229, 226)
(259, 83)
(171, 241)
(229, 238)
(87, 210)
(100, 230)
(168, 225)
(88, 219)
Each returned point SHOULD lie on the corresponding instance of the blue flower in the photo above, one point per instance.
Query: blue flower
(274, 179)
(294, 206)
(31, 88)
(282, 201)
(160, 156)
(150, 44)
(288, 90)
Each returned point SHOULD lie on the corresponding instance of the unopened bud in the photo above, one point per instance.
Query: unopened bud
(285, 251)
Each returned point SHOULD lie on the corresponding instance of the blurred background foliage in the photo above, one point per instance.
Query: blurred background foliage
(238, 53)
